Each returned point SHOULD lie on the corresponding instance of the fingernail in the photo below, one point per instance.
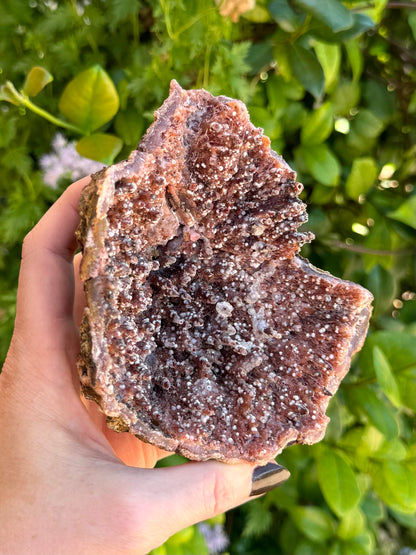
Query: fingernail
(268, 477)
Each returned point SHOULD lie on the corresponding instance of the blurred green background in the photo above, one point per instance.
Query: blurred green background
(333, 85)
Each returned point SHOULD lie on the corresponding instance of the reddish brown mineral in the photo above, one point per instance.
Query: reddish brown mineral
(204, 332)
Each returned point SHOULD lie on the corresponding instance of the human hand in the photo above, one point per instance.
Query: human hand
(68, 484)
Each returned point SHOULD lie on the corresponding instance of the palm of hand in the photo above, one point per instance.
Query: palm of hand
(68, 483)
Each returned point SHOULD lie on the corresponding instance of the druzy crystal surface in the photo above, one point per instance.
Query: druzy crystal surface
(205, 333)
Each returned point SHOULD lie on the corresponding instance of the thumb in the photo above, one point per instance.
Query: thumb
(193, 492)
(196, 491)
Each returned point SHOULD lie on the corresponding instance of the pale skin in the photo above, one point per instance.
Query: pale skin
(68, 484)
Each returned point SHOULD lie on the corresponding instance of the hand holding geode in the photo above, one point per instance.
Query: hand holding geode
(204, 332)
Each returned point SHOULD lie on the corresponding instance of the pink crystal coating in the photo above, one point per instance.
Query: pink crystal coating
(204, 332)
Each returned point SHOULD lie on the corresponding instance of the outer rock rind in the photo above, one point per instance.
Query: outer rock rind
(204, 332)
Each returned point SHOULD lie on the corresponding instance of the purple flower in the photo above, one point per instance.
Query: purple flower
(215, 537)
(65, 162)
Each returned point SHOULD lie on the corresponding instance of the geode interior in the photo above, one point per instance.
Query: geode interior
(204, 332)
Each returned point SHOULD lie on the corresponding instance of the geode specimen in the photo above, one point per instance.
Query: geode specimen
(204, 332)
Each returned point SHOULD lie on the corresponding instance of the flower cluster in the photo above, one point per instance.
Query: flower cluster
(65, 162)
(215, 537)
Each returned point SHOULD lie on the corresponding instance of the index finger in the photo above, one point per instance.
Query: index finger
(55, 230)
(46, 281)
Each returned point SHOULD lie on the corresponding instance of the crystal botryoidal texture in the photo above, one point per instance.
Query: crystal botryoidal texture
(205, 332)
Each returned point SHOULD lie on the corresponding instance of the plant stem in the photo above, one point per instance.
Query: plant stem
(206, 65)
(165, 10)
(192, 21)
(373, 379)
(25, 101)
(30, 186)
(175, 35)
(46, 115)
(365, 250)
(136, 29)
(409, 5)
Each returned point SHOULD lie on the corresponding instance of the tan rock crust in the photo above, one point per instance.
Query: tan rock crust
(204, 332)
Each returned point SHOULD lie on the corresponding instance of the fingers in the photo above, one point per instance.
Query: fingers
(133, 452)
(193, 492)
(46, 281)
(130, 450)
(157, 503)
(178, 496)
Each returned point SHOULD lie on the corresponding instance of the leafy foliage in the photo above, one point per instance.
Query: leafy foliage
(332, 84)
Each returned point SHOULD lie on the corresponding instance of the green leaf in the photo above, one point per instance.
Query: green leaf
(6, 93)
(90, 100)
(337, 481)
(293, 90)
(293, 117)
(406, 212)
(363, 174)
(281, 55)
(363, 544)
(382, 284)
(17, 158)
(407, 387)
(285, 16)
(373, 508)
(286, 496)
(258, 519)
(258, 14)
(362, 441)
(36, 80)
(385, 376)
(322, 194)
(406, 520)
(8, 132)
(395, 483)
(318, 125)
(330, 12)
(336, 548)
(322, 164)
(329, 56)
(307, 70)
(318, 222)
(304, 547)
(367, 124)
(19, 216)
(261, 117)
(314, 523)
(366, 400)
(376, 9)
(288, 536)
(102, 147)
(259, 56)
(398, 347)
(122, 9)
(277, 101)
(355, 58)
(352, 524)
(380, 100)
(392, 449)
(361, 23)
(412, 23)
(129, 125)
(346, 96)
(379, 239)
